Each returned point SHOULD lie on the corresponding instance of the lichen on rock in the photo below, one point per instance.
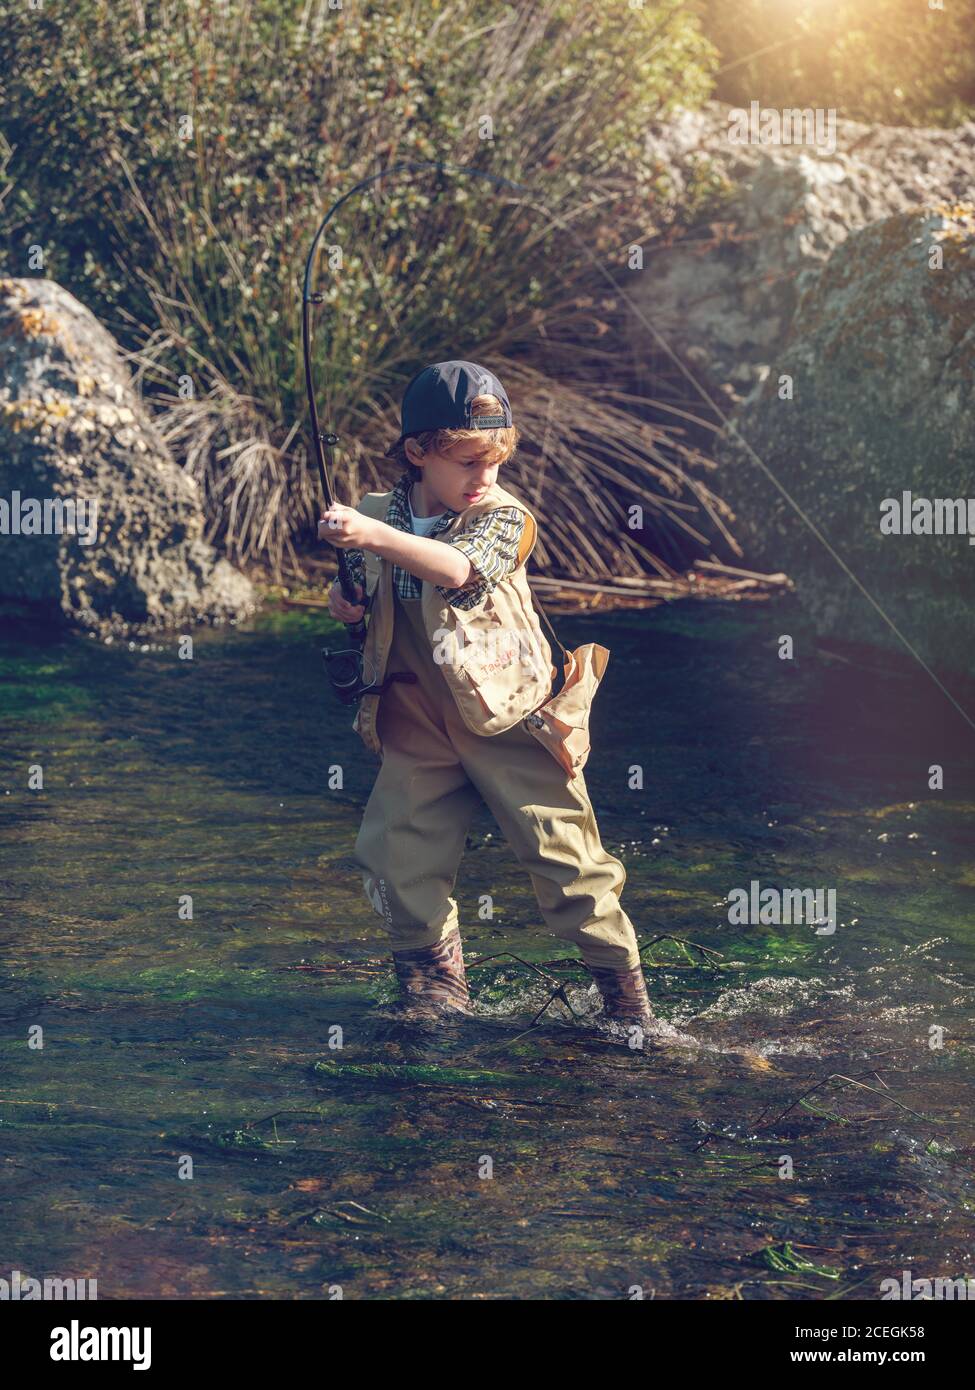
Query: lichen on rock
(74, 430)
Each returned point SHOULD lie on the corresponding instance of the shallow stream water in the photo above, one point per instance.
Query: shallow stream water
(821, 1140)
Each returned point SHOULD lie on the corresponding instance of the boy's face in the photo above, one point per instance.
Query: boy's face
(457, 478)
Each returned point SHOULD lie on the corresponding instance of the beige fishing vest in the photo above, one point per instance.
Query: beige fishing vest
(495, 658)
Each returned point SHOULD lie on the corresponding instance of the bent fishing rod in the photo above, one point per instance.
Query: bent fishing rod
(345, 666)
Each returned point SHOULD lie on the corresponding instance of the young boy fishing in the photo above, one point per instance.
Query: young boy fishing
(464, 671)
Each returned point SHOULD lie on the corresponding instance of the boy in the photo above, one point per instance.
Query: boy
(440, 561)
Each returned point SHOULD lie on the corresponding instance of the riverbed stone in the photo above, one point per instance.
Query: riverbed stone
(73, 428)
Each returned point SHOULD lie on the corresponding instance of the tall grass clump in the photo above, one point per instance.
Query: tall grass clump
(173, 159)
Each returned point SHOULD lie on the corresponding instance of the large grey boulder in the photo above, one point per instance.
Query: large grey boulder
(881, 357)
(73, 433)
(725, 294)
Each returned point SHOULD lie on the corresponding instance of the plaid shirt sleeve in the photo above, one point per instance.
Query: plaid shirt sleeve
(490, 542)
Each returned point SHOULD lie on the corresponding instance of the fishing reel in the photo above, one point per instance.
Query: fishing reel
(347, 673)
(346, 666)
(350, 675)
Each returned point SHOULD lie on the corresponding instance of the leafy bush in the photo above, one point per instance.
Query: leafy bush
(174, 159)
(897, 62)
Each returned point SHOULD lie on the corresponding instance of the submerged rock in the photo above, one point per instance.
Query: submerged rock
(877, 444)
(98, 524)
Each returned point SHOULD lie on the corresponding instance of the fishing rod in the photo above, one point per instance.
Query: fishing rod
(345, 665)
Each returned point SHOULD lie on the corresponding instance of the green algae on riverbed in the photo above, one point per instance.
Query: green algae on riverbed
(210, 1037)
(354, 1072)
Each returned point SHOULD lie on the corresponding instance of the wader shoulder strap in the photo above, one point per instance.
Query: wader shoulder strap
(374, 504)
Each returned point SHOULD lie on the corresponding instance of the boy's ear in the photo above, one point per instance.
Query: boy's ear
(413, 452)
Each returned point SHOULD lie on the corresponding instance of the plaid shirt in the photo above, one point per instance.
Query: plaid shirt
(490, 542)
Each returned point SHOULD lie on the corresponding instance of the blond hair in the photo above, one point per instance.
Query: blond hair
(501, 442)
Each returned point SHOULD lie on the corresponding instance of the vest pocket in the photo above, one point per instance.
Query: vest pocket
(500, 667)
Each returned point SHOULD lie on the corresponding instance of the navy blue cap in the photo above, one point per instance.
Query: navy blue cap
(439, 398)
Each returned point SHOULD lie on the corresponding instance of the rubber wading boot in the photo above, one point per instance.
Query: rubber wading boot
(626, 1004)
(432, 979)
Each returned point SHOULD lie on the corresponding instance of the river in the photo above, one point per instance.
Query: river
(191, 1126)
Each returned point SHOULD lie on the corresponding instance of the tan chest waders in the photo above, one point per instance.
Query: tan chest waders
(433, 774)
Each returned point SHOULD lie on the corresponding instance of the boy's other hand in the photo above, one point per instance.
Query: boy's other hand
(346, 528)
(340, 607)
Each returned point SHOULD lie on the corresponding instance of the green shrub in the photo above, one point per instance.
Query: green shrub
(173, 160)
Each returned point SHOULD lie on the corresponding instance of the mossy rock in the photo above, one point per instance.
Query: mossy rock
(882, 364)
